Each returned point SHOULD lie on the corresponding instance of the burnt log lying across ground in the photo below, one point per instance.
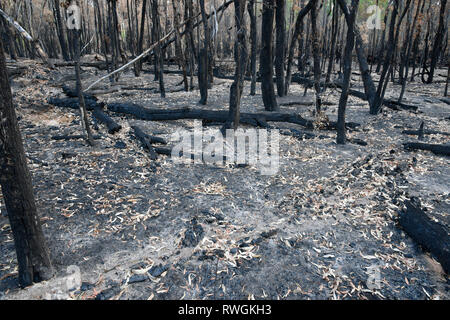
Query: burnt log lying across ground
(147, 142)
(102, 117)
(419, 132)
(392, 104)
(439, 149)
(73, 103)
(258, 119)
(73, 93)
(91, 105)
(431, 235)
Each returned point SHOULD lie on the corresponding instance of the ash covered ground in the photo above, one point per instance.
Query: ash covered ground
(144, 229)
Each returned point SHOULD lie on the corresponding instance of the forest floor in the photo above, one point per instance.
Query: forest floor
(143, 229)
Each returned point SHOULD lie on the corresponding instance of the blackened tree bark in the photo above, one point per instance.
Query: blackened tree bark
(387, 64)
(205, 64)
(203, 75)
(266, 58)
(178, 46)
(60, 28)
(404, 67)
(436, 52)
(350, 42)
(334, 30)
(448, 79)
(15, 180)
(316, 56)
(280, 27)
(84, 119)
(241, 58)
(369, 86)
(159, 57)
(253, 44)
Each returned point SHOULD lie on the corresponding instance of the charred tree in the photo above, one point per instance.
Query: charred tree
(436, 52)
(266, 58)
(280, 26)
(241, 58)
(316, 56)
(350, 42)
(84, 119)
(15, 179)
(296, 34)
(138, 65)
(253, 44)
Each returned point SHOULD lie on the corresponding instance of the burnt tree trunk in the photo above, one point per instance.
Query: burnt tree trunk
(253, 44)
(83, 112)
(266, 58)
(15, 179)
(436, 52)
(316, 57)
(60, 28)
(350, 42)
(240, 57)
(297, 33)
(280, 41)
(138, 65)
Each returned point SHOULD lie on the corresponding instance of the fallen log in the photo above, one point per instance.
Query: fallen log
(217, 116)
(73, 103)
(14, 72)
(418, 132)
(91, 105)
(101, 65)
(439, 149)
(72, 93)
(431, 235)
(146, 142)
(102, 117)
(392, 104)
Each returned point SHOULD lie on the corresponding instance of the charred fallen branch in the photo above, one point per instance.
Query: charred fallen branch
(72, 93)
(256, 119)
(102, 117)
(439, 149)
(73, 103)
(418, 132)
(147, 142)
(392, 104)
(99, 64)
(431, 235)
(91, 105)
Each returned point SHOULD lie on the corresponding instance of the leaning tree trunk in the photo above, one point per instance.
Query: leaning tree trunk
(15, 180)
(280, 41)
(350, 42)
(266, 58)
